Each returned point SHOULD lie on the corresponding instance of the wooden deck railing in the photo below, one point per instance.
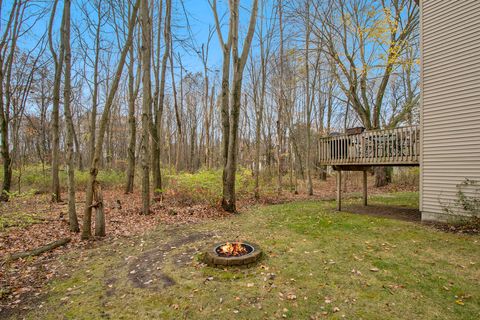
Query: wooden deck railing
(399, 146)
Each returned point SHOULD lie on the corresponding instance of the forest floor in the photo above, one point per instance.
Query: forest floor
(318, 264)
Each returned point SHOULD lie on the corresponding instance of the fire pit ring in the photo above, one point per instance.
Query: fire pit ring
(215, 258)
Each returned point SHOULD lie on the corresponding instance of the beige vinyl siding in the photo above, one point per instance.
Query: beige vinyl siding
(450, 115)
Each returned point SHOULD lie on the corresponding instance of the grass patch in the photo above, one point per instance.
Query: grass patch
(326, 264)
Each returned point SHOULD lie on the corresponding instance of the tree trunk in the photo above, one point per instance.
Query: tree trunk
(383, 176)
(308, 104)
(99, 212)
(280, 103)
(72, 214)
(56, 197)
(209, 125)
(224, 109)
(93, 116)
(193, 138)
(78, 151)
(157, 174)
(257, 158)
(7, 163)
(178, 120)
(156, 116)
(146, 104)
(229, 200)
(5, 105)
(58, 64)
(132, 125)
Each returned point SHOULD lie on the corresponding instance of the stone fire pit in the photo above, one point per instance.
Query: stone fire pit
(232, 253)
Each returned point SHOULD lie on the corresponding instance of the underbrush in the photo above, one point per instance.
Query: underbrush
(201, 187)
(205, 186)
(33, 179)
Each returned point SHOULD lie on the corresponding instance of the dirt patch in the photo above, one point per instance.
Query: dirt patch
(391, 212)
(184, 258)
(146, 270)
(470, 226)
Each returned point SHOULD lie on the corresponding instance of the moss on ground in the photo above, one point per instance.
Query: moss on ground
(318, 264)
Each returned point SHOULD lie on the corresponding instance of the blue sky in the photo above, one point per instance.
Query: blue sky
(201, 18)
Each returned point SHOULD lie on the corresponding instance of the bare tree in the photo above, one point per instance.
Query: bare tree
(17, 69)
(72, 214)
(6, 64)
(177, 116)
(259, 87)
(93, 184)
(207, 105)
(133, 88)
(158, 96)
(281, 98)
(229, 198)
(365, 42)
(224, 108)
(58, 64)
(308, 102)
(146, 103)
(93, 116)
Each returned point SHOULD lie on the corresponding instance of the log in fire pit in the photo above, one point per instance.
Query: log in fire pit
(232, 253)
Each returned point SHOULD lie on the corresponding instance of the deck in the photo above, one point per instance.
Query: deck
(388, 147)
(360, 150)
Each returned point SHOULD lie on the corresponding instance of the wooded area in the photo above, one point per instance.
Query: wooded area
(141, 94)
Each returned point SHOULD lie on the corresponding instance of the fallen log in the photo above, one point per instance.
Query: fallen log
(37, 251)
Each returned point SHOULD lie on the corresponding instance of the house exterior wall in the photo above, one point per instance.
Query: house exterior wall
(450, 115)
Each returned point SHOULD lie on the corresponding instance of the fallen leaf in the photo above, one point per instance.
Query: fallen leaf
(291, 296)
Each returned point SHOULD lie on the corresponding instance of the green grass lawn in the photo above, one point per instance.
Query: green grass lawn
(325, 264)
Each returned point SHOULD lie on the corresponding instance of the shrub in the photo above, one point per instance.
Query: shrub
(466, 201)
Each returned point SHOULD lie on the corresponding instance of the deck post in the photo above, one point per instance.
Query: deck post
(339, 190)
(365, 189)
